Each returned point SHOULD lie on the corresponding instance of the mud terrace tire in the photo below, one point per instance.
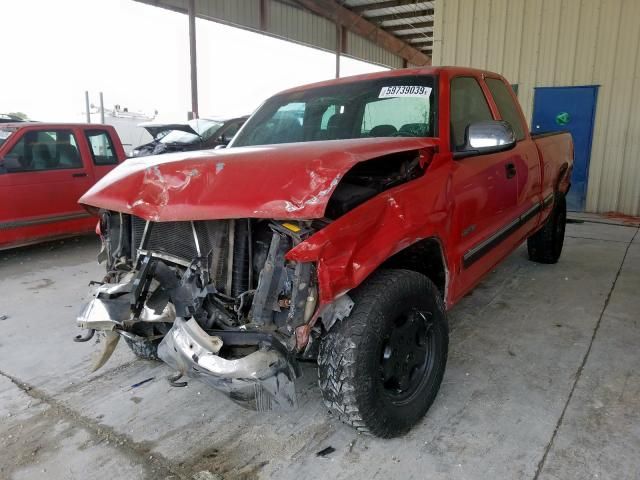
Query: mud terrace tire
(145, 349)
(349, 362)
(545, 246)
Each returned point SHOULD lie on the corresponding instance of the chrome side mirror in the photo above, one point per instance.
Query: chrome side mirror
(488, 136)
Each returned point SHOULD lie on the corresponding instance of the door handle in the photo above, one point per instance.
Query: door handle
(510, 170)
(79, 174)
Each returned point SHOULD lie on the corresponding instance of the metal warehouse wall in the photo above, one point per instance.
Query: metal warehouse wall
(285, 20)
(538, 43)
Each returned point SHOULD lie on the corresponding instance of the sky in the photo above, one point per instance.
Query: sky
(138, 56)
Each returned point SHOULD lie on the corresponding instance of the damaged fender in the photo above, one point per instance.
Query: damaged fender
(348, 250)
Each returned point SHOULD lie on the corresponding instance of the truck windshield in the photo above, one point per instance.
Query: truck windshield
(390, 107)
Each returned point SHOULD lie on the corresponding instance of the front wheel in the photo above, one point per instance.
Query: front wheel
(381, 368)
(545, 246)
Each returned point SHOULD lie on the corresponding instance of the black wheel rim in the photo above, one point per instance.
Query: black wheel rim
(407, 356)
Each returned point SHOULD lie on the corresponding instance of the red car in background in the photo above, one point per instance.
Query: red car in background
(44, 169)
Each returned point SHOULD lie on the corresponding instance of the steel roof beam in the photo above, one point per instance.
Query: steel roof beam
(338, 14)
(408, 26)
(417, 35)
(422, 44)
(377, 6)
(399, 16)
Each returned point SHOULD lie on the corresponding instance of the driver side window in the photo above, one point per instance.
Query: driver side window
(41, 150)
(468, 105)
(284, 126)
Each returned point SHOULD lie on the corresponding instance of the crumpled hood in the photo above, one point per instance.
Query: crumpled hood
(273, 181)
(155, 129)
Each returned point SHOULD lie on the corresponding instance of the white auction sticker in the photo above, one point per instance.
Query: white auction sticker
(405, 91)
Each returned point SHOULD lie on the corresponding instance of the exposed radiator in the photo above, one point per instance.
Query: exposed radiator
(177, 239)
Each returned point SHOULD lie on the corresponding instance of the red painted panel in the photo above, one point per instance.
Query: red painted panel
(292, 180)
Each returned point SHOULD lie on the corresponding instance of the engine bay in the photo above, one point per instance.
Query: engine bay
(227, 274)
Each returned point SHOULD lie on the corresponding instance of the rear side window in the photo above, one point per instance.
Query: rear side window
(101, 147)
(43, 150)
(468, 105)
(506, 106)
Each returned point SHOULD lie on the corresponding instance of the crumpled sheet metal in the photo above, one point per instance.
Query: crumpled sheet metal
(348, 250)
(287, 181)
(262, 380)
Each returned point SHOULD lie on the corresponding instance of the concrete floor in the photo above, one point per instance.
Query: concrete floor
(542, 382)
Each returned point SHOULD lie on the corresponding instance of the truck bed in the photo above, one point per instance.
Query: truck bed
(556, 153)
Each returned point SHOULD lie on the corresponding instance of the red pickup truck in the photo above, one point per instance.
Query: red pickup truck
(343, 221)
(44, 169)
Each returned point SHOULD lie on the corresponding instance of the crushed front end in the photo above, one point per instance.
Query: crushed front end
(214, 299)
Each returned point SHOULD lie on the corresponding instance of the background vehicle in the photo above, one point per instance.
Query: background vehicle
(8, 118)
(197, 134)
(342, 222)
(44, 169)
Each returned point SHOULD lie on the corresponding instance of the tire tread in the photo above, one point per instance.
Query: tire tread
(343, 347)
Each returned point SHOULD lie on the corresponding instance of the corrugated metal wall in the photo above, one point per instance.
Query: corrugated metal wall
(561, 43)
(364, 49)
(298, 25)
(285, 20)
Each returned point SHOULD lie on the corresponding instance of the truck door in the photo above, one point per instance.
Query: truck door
(484, 191)
(42, 178)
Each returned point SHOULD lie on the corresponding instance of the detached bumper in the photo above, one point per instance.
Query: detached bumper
(262, 380)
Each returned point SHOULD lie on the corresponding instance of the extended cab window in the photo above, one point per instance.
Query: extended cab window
(506, 106)
(389, 107)
(101, 147)
(43, 150)
(468, 105)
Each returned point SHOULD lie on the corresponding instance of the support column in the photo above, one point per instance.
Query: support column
(264, 15)
(193, 59)
(338, 48)
(87, 106)
(101, 108)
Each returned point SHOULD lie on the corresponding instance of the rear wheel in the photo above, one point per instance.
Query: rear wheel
(381, 368)
(545, 246)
